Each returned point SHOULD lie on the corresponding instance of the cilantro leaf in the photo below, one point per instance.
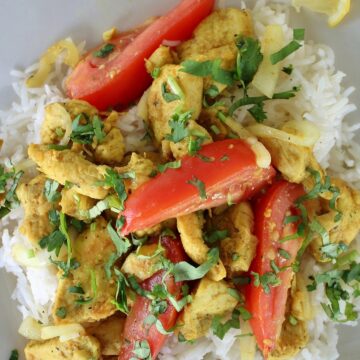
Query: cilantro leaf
(210, 68)
(215, 236)
(169, 165)
(184, 271)
(51, 188)
(142, 350)
(258, 113)
(168, 96)
(249, 58)
(122, 244)
(104, 51)
(178, 126)
(121, 298)
(14, 355)
(61, 312)
(199, 185)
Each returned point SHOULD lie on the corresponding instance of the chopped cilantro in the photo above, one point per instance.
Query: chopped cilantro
(121, 298)
(168, 96)
(142, 350)
(288, 69)
(258, 113)
(156, 72)
(76, 290)
(210, 68)
(53, 242)
(170, 165)
(104, 51)
(200, 186)
(51, 188)
(267, 280)
(122, 244)
(184, 271)
(178, 126)
(215, 236)
(294, 45)
(299, 34)
(14, 355)
(284, 254)
(248, 60)
(109, 264)
(9, 181)
(66, 266)
(85, 133)
(61, 312)
(293, 320)
(215, 129)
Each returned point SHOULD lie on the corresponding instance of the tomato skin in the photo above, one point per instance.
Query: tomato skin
(134, 329)
(122, 78)
(268, 310)
(169, 194)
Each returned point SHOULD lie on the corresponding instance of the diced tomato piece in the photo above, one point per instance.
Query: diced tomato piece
(121, 77)
(227, 169)
(134, 329)
(268, 309)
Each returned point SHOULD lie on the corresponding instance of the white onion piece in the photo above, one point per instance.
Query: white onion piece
(64, 331)
(30, 329)
(247, 343)
(263, 157)
(25, 256)
(302, 133)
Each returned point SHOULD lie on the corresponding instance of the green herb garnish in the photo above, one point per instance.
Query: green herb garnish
(104, 51)
(169, 165)
(199, 185)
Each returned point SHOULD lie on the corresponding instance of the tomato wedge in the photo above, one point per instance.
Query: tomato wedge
(134, 329)
(121, 77)
(268, 309)
(227, 169)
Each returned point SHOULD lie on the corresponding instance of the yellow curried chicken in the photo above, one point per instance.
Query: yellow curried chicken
(190, 229)
(88, 302)
(36, 224)
(68, 166)
(81, 348)
(209, 299)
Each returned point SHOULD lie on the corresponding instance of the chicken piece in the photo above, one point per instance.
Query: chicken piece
(160, 57)
(160, 111)
(238, 250)
(292, 339)
(142, 168)
(217, 30)
(67, 166)
(111, 151)
(77, 107)
(92, 250)
(81, 348)
(294, 335)
(138, 265)
(343, 231)
(36, 224)
(74, 204)
(108, 333)
(290, 159)
(190, 229)
(211, 298)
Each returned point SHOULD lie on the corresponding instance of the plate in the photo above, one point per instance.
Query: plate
(28, 28)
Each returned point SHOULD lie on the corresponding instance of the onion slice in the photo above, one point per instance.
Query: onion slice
(47, 60)
(302, 133)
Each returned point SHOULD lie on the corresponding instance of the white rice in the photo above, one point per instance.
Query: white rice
(323, 100)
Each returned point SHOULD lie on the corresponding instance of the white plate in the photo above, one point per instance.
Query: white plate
(27, 28)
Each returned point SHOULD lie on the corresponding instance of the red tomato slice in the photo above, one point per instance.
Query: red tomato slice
(134, 329)
(268, 310)
(122, 77)
(231, 173)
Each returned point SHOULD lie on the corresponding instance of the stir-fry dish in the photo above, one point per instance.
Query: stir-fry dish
(207, 224)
